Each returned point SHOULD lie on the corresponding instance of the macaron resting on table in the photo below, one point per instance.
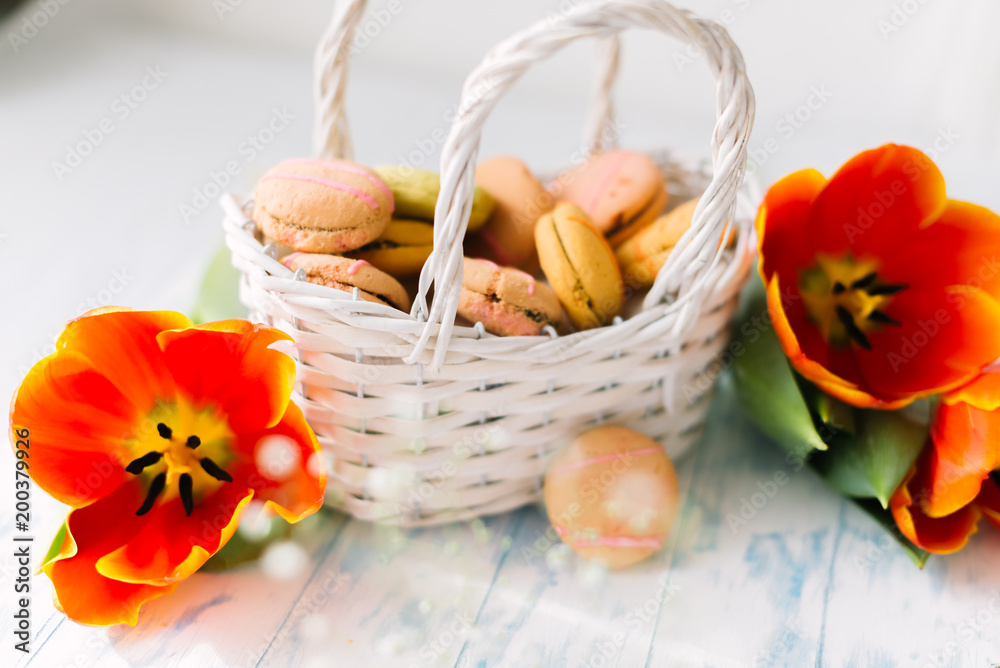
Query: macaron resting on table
(612, 495)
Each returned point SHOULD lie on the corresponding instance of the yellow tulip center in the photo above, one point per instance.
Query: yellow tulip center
(184, 452)
(846, 299)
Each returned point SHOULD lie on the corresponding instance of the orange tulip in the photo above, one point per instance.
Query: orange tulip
(880, 288)
(152, 429)
(939, 503)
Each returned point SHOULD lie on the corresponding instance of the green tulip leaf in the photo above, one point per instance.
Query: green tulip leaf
(834, 413)
(884, 517)
(872, 462)
(219, 296)
(56, 544)
(765, 383)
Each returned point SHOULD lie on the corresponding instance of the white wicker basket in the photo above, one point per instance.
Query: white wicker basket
(428, 422)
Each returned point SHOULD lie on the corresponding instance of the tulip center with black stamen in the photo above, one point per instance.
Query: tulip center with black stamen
(847, 299)
(179, 464)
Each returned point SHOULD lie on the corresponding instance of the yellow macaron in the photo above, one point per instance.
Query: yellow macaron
(401, 250)
(580, 266)
(642, 256)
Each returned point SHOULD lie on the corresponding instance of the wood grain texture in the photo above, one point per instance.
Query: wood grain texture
(807, 580)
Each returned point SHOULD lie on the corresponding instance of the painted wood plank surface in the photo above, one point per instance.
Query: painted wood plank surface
(802, 579)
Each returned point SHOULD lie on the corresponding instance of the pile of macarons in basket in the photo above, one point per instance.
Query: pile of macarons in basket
(564, 254)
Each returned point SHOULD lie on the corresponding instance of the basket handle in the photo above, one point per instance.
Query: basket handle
(698, 250)
(331, 134)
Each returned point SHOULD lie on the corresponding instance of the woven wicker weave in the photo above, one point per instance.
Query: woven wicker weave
(428, 422)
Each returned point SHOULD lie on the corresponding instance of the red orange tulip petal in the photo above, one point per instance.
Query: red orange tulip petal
(962, 247)
(944, 338)
(878, 198)
(813, 370)
(291, 470)
(76, 421)
(988, 502)
(171, 546)
(982, 393)
(783, 240)
(940, 535)
(122, 344)
(83, 594)
(966, 448)
(230, 364)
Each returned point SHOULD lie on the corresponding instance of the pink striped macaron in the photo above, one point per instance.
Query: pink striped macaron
(621, 191)
(322, 206)
(345, 274)
(612, 495)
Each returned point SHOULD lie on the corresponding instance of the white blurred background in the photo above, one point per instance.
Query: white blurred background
(921, 72)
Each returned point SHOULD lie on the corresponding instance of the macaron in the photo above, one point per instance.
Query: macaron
(612, 496)
(506, 300)
(346, 274)
(580, 266)
(642, 256)
(508, 238)
(322, 206)
(401, 250)
(621, 191)
(416, 192)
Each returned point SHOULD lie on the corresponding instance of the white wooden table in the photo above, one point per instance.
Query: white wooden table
(808, 580)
